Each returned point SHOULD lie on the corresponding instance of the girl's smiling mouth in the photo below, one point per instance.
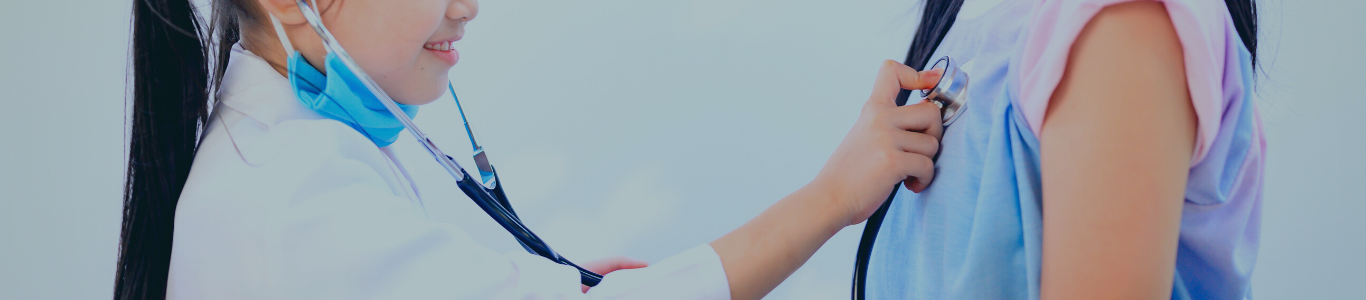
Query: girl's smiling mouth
(445, 50)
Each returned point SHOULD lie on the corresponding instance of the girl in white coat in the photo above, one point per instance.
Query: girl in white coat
(269, 199)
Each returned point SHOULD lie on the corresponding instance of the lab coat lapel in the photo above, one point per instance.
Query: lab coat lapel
(262, 98)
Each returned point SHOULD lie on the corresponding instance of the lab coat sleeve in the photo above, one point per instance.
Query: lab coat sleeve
(353, 239)
(693, 274)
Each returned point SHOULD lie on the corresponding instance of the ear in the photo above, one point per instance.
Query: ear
(287, 11)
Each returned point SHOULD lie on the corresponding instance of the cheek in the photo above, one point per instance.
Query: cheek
(419, 76)
(392, 51)
(386, 36)
(387, 49)
(413, 78)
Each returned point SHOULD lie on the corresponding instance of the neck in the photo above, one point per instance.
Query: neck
(266, 44)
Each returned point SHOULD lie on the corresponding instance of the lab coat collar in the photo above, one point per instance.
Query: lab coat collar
(254, 97)
(251, 86)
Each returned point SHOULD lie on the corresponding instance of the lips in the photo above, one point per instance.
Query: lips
(445, 50)
(440, 46)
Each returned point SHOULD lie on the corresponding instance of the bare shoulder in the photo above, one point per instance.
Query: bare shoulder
(1135, 16)
(1128, 51)
(1129, 36)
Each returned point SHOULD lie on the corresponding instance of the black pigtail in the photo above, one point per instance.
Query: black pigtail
(170, 107)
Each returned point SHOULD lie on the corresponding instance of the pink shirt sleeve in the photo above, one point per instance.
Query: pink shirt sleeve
(1201, 25)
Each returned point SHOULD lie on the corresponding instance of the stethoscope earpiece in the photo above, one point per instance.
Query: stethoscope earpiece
(950, 93)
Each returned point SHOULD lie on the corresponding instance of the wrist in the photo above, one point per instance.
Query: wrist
(830, 202)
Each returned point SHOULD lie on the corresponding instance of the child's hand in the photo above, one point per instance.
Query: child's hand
(609, 265)
(888, 145)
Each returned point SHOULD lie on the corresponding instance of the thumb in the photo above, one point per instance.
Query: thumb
(894, 77)
(910, 79)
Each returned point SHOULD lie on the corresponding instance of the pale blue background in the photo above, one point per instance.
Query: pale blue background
(658, 125)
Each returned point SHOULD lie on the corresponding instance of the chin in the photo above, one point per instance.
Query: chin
(421, 96)
(421, 100)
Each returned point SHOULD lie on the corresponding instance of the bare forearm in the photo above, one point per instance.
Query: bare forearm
(763, 252)
(888, 145)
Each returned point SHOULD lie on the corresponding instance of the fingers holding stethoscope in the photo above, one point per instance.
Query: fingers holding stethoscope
(923, 117)
(888, 144)
(918, 127)
(914, 130)
(894, 77)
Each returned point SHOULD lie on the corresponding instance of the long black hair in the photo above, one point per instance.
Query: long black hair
(171, 101)
(935, 22)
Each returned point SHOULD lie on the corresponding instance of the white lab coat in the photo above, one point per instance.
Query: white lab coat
(282, 203)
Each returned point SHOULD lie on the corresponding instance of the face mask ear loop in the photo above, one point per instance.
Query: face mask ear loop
(284, 39)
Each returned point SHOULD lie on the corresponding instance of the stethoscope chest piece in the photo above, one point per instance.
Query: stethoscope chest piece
(950, 93)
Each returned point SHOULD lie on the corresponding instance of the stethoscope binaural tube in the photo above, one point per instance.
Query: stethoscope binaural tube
(477, 191)
(950, 94)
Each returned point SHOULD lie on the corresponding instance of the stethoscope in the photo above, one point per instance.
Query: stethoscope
(950, 94)
(487, 194)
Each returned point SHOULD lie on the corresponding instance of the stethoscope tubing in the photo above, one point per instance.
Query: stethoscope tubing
(496, 207)
(510, 222)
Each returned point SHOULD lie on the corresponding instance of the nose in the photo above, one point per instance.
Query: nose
(462, 10)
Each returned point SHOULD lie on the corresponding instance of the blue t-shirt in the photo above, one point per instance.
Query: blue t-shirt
(976, 232)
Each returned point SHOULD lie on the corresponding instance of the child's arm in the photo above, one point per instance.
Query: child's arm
(887, 145)
(1115, 150)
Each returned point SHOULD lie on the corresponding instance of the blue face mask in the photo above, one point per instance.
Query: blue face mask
(340, 95)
